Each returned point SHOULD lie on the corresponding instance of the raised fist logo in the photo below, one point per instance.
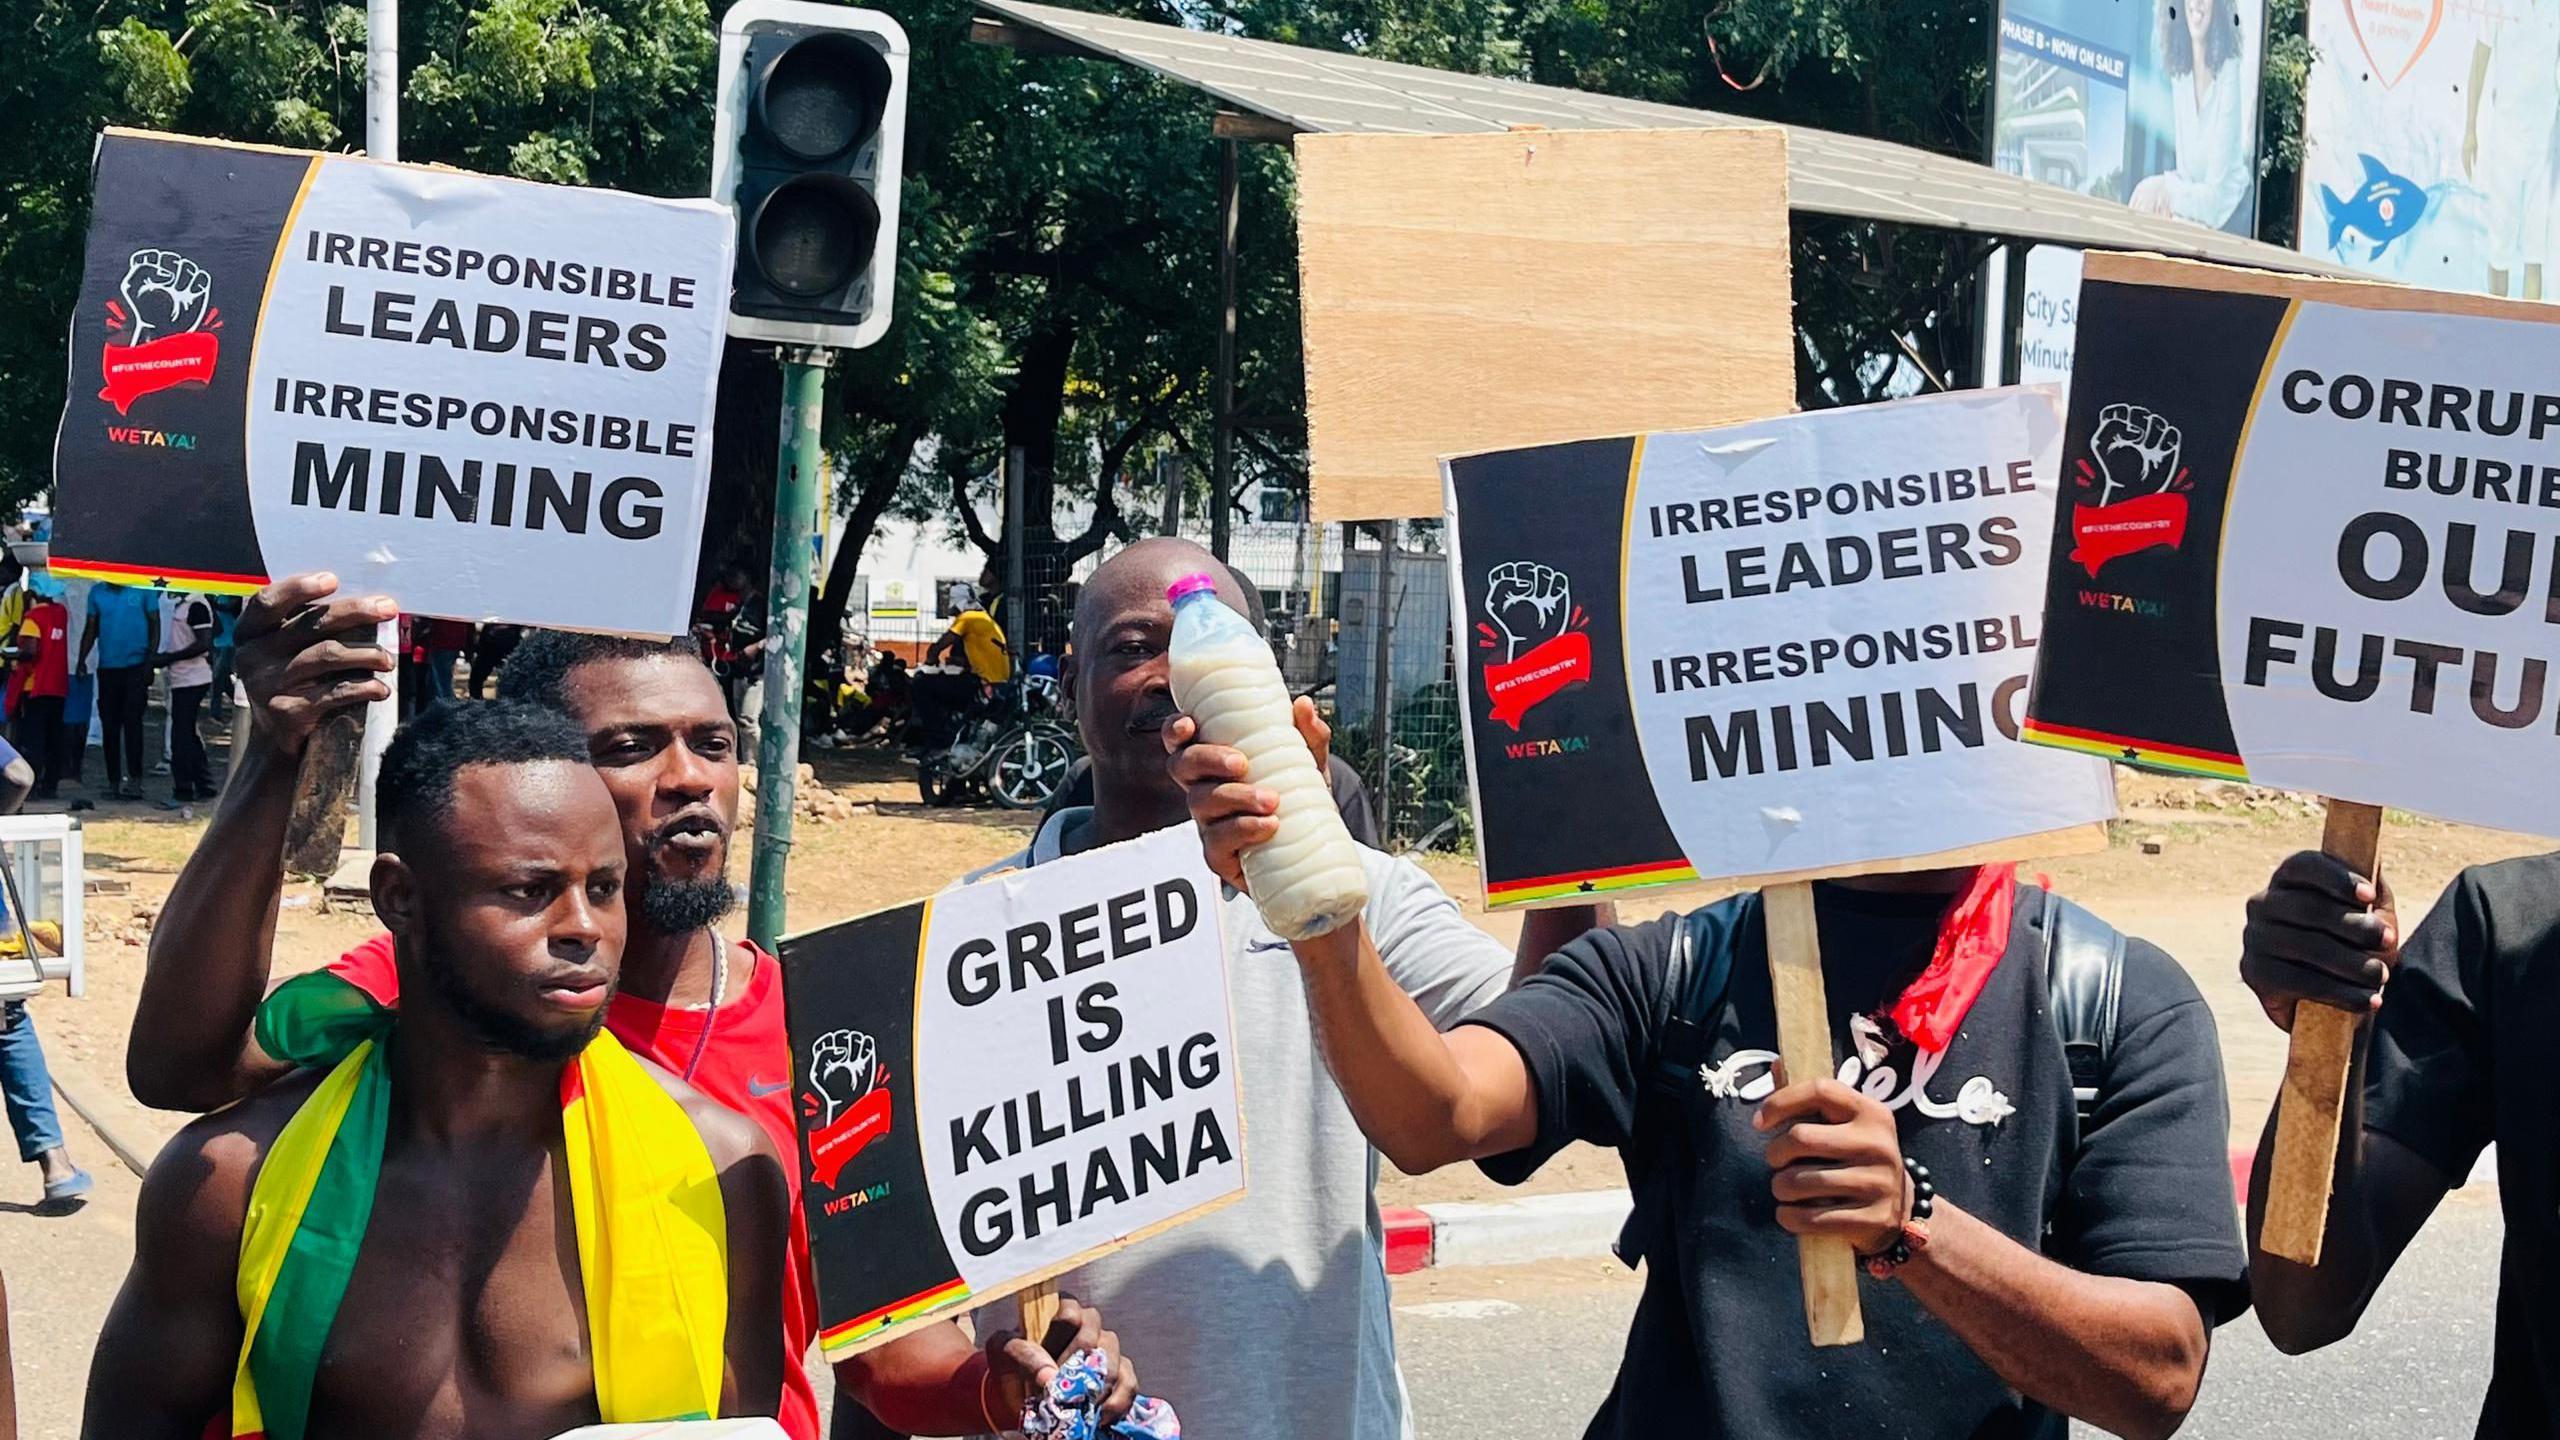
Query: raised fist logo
(165, 293)
(844, 1067)
(1529, 603)
(2136, 451)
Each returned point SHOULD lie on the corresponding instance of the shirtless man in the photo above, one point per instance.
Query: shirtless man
(473, 1305)
(705, 1006)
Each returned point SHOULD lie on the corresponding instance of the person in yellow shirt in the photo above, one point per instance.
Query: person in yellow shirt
(970, 655)
(976, 635)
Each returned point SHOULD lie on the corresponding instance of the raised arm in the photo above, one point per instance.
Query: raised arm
(1425, 1099)
(304, 653)
(2324, 934)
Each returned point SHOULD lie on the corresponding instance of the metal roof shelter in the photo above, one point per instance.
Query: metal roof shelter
(1272, 91)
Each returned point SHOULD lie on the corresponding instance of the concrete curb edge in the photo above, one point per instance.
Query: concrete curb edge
(1584, 1224)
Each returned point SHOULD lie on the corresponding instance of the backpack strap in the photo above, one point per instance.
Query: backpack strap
(1694, 984)
(1694, 980)
(2083, 985)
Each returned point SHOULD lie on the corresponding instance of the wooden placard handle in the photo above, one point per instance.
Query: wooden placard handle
(1829, 1267)
(1039, 1308)
(2315, 1077)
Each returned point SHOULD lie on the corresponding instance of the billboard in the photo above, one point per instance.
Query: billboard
(2150, 102)
(2428, 129)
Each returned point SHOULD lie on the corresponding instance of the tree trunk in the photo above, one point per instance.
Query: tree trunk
(737, 525)
(879, 486)
(1032, 412)
(321, 794)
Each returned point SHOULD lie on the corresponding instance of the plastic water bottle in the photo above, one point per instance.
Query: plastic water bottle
(1306, 879)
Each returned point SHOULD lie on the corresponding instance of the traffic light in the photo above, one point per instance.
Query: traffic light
(812, 120)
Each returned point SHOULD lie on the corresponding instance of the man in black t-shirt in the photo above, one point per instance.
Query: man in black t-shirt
(2456, 1055)
(2063, 1274)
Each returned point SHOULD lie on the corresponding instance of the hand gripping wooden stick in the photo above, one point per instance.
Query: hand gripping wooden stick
(2315, 1077)
(1830, 1267)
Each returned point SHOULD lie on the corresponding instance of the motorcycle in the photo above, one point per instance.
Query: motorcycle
(1016, 754)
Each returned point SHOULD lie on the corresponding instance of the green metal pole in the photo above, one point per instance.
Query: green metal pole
(795, 502)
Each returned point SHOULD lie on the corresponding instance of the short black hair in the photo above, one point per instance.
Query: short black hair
(537, 673)
(414, 791)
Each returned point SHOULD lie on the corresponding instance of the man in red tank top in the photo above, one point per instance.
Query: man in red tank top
(704, 1005)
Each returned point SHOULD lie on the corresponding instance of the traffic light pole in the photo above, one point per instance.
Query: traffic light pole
(786, 636)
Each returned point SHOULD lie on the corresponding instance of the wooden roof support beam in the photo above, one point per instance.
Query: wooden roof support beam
(1261, 129)
(987, 30)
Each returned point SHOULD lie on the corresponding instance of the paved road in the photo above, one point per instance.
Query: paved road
(1530, 1350)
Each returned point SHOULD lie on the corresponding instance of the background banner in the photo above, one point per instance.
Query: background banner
(2428, 133)
(2310, 540)
(1010, 1078)
(1793, 647)
(2151, 102)
(488, 398)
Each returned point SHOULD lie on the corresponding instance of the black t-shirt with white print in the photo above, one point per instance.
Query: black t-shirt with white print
(1719, 1346)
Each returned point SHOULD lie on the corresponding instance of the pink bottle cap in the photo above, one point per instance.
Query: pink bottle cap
(1188, 585)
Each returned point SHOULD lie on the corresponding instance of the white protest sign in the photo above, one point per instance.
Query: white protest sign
(1797, 645)
(488, 398)
(938, 1180)
(1832, 620)
(2316, 542)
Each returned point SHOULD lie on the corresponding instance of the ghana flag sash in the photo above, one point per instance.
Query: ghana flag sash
(652, 1235)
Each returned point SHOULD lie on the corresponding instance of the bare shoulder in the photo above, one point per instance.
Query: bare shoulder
(728, 1135)
(198, 1186)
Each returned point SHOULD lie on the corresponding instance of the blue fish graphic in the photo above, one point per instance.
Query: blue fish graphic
(2384, 208)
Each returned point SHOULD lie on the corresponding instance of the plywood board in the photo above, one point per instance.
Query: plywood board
(1481, 292)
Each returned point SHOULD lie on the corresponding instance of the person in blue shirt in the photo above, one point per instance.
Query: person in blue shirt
(26, 1085)
(123, 622)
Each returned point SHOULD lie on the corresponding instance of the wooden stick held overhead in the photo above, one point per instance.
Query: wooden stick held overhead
(2315, 1077)
(1830, 1267)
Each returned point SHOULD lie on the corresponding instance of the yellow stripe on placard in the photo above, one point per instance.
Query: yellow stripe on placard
(1626, 554)
(2231, 487)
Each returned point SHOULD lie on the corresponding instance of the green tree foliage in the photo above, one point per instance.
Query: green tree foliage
(1057, 276)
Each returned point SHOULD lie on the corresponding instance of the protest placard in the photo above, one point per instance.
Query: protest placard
(2310, 541)
(1764, 653)
(488, 398)
(1001, 1082)
(1788, 648)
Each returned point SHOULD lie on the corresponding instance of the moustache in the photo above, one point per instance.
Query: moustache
(700, 820)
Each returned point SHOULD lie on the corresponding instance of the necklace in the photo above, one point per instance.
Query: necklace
(719, 991)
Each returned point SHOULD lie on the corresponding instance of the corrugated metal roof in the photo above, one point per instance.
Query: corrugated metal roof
(1827, 173)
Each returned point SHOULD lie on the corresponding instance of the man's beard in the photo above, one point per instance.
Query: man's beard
(490, 1024)
(680, 907)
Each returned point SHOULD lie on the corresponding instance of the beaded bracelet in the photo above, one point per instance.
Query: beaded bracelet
(1915, 1227)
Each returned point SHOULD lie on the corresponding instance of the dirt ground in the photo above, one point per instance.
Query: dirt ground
(877, 846)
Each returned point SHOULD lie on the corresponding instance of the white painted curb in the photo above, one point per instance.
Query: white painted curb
(1573, 1226)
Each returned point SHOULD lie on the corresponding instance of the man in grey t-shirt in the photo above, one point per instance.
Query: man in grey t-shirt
(1267, 1320)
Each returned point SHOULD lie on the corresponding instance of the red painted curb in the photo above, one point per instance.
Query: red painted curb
(1408, 1240)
